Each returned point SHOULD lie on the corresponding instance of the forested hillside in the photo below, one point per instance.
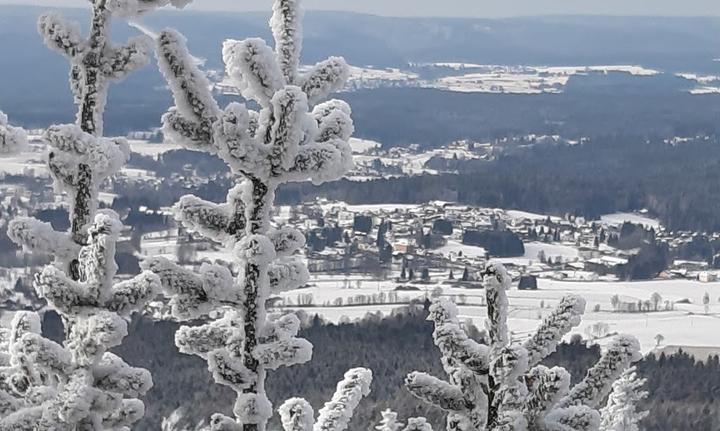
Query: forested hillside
(677, 183)
(392, 347)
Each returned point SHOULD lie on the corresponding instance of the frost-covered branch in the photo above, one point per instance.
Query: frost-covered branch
(79, 155)
(621, 411)
(544, 341)
(285, 141)
(82, 372)
(79, 385)
(500, 386)
(297, 414)
(597, 384)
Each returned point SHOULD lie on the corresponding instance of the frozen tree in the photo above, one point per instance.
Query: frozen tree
(621, 412)
(79, 385)
(77, 155)
(294, 137)
(297, 414)
(502, 386)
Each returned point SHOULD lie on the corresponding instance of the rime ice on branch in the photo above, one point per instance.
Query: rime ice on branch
(621, 412)
(80, 385)
(297, 414)
(94, 62)
(294, 137)
(502, 386)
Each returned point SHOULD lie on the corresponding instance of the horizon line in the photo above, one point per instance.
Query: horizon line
(193, 9)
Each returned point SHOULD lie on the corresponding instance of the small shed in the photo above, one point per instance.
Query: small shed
(528, 282)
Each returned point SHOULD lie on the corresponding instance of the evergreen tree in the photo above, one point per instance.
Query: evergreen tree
(501, 386)
(79, 385)
(294, 137)
(621, 412)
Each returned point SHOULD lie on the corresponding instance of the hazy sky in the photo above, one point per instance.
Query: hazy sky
(475, 8)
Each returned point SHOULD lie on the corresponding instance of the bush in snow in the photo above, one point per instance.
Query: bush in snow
(501, 386)
(294, 137)
(80, 384)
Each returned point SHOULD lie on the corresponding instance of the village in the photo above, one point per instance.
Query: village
(373, 258)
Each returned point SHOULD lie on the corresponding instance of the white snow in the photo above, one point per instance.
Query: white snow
(363, 146)
(686, 325)
(453, 249)
(527, 79)
(706, 84)
(146, 148)
(620, 218)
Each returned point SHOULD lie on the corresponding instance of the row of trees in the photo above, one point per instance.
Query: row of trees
(294, 137)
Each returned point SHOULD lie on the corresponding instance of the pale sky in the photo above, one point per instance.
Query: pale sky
(463, 8)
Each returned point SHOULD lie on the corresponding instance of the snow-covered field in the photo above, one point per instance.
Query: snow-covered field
(686, 325)
(620, 218)
(454, 249)
(706, 84)
(524, 79)
(368, 77)
(363, 146)
(146, 148)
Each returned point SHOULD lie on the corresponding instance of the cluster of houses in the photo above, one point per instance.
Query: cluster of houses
(436, 236)
(444, 240)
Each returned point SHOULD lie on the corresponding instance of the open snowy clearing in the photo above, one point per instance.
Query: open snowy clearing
(362, 146)
(686, 325)
(706, 84)
(620, 218)
(146, 148)
(526, 79)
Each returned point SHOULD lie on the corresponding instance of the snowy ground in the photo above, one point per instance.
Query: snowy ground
(620, 218)
(706, 84)
(687, 325)
(146, 148)
(363, 146)
(524, 79)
